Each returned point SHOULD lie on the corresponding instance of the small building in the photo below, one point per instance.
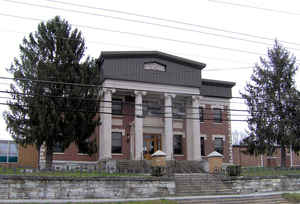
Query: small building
(156, 101)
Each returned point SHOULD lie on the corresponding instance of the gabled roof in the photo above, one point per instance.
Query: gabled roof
(158, 54)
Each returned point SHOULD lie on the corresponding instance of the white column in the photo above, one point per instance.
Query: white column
(196, 128)
(106, 123)
(139, 123)
(168, 128)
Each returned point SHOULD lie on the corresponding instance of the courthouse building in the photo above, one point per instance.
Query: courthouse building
(156, 101)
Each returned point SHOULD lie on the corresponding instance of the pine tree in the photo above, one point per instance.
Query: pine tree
(49, 105)
(273, 100)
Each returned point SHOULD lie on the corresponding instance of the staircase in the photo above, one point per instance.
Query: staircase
(266, 199)
(195, 184)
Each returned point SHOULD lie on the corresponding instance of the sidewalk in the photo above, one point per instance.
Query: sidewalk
(143, 199)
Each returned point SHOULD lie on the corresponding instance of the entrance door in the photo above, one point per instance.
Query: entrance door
(152, 143)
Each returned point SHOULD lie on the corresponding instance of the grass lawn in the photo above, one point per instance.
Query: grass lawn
(292, 197)
(77, 173)
(261, 171)
(134, 202)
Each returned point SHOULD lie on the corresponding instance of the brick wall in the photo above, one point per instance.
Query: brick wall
(209, 128)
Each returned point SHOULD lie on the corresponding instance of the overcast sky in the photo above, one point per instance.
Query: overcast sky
(228, 36)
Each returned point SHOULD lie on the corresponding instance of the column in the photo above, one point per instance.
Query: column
(196, 128)
(139, 123)
(168, 128)
(106, 123)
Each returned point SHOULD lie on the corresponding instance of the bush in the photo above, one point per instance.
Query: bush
(233, 170)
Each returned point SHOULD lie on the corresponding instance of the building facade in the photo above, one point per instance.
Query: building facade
(155, 101)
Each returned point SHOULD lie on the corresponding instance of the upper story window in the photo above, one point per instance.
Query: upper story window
(152, 108)
(178, 110)
(217, 114)
(117, 106)
(154, 66)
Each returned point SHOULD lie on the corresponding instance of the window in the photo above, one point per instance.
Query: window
(116, 143)
(217, 113)
(177, 144)
(152, 108)
(3, 151)
(202, 146)
(117, 106)
(58, 148)
(178, 110)
(13, 152)
(155, 66)
(8, 152)
(219, 145)
(201, 114)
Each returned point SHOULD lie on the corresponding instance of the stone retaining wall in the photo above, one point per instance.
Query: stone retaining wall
(244, 185)
(28, 187)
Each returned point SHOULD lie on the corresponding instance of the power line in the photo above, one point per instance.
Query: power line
(143, 22)
(139, 47)
(147, 36)
(169, 20)
(255, 7)
(122, 114)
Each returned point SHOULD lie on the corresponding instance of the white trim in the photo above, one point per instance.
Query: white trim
(179, 133)
(131, 85)
(219, 136)
(58, 152)
(118, 130)
(214, 101)
(203, 135)
(82, 154)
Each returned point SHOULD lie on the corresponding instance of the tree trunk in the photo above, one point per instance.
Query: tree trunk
(283, 156)
(49, 156)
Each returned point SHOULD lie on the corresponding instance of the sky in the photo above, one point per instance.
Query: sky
(228, 36)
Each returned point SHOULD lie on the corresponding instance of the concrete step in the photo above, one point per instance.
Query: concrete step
(242, 200)
(200, 184)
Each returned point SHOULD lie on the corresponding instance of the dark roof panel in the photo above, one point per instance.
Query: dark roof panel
(154, 54)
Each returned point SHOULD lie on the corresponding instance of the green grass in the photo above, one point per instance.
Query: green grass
(261, 171)
(134, 202)
(20, 171)
(292, 197)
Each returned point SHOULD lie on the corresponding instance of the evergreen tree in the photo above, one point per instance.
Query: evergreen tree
(51, 101)
(273, 102)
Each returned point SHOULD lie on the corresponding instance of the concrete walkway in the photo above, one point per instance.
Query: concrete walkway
(143, 199)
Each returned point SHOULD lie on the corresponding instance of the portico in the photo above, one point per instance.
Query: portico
(162, 123)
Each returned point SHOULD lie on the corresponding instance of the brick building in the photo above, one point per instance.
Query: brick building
(155, 101)
(240, 158)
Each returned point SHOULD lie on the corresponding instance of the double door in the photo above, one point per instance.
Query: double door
(152, 143)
